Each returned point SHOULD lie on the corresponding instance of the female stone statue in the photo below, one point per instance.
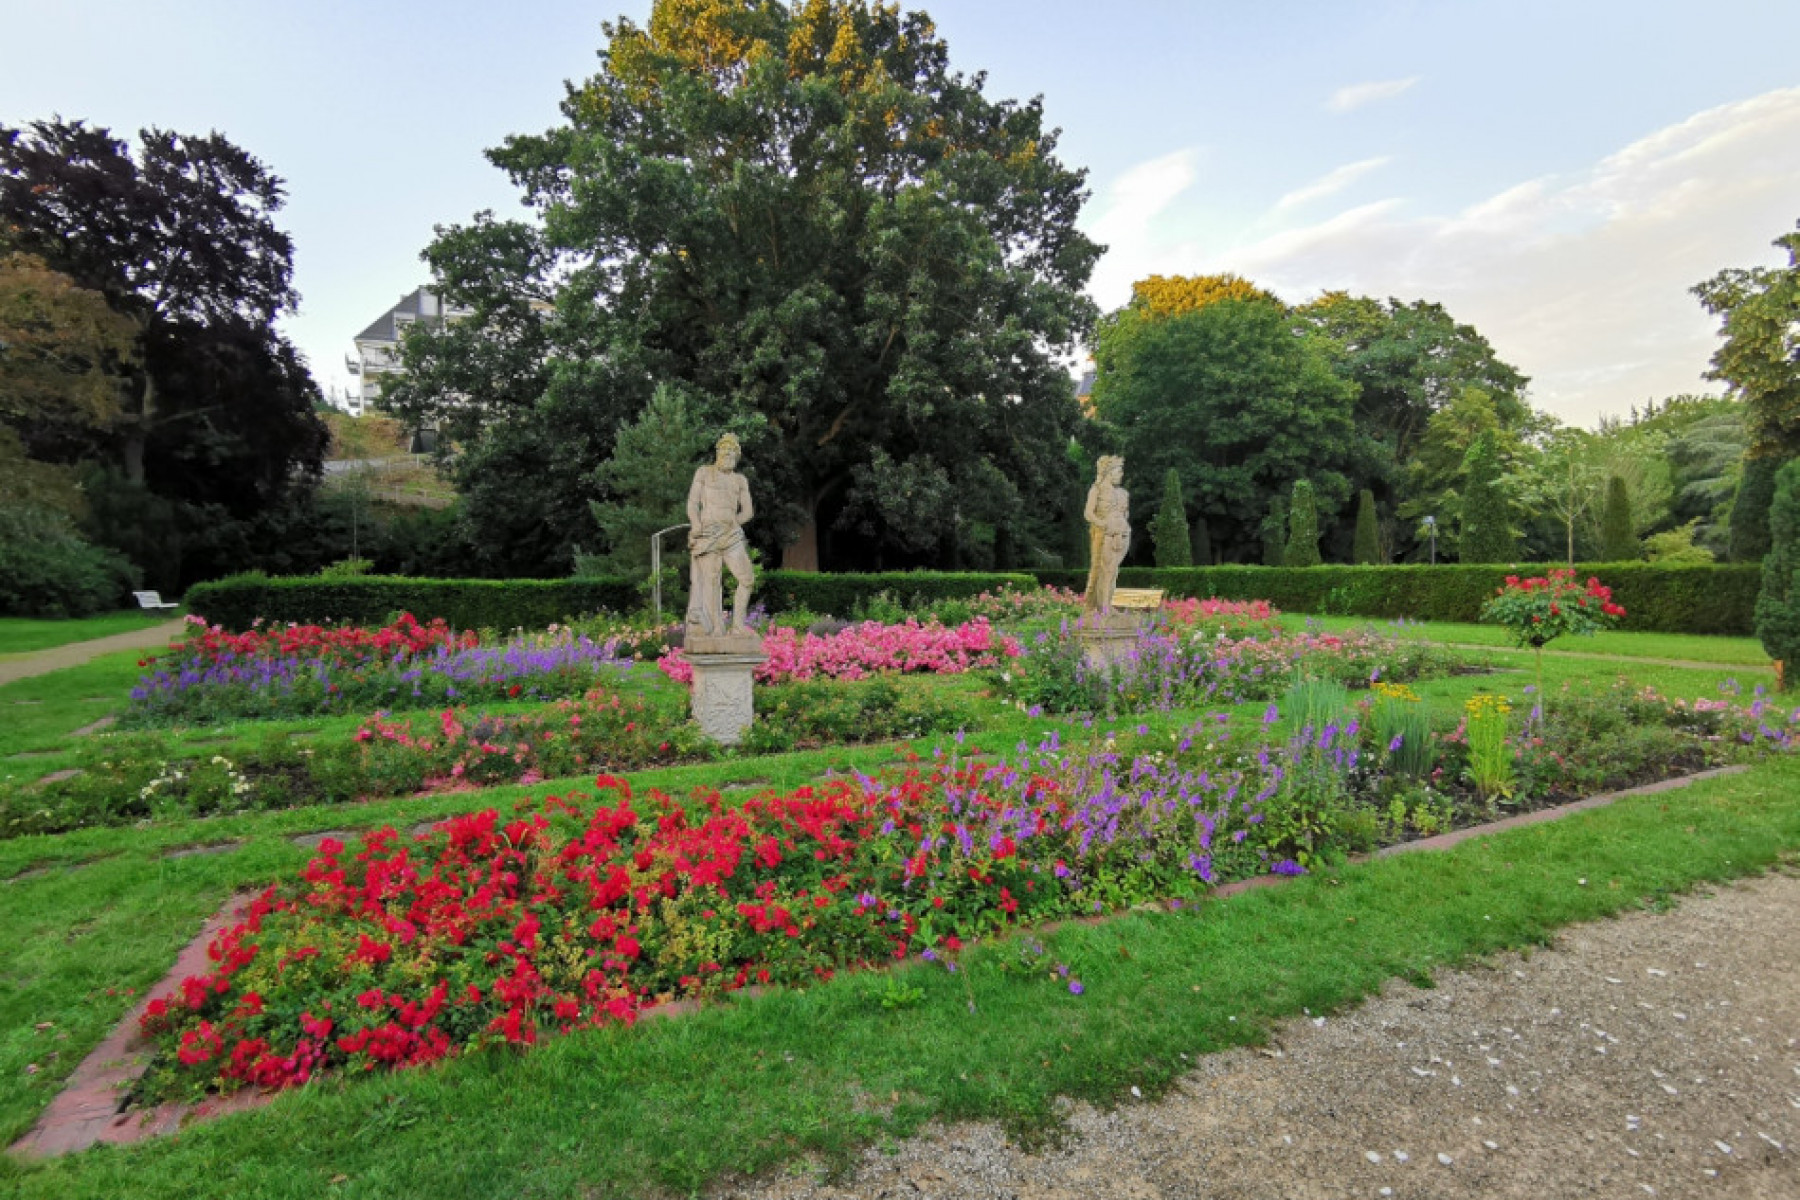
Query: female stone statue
(1109, 533)
(718, 504)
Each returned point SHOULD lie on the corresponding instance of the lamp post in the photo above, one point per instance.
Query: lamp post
(1431, 531)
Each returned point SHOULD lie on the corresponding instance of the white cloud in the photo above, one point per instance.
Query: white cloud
(1358, 94)
(1579, 280)
(1329, 184)
(1127, 224)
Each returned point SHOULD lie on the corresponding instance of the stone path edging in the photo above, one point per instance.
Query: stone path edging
(86, 1112)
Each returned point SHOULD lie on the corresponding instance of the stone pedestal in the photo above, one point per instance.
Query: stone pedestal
(720, 699)
(1108, 638)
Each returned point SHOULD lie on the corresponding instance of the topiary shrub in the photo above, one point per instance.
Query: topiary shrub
(1170, 528)
(1618, 537)
(1303, 528)
(1486, 534)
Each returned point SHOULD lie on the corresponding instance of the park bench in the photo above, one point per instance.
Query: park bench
(1150, 598)
(152, 600)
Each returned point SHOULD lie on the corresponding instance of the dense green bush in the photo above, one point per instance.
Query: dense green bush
(1777, 605)
(1697, 598)
(48, 570)
(465, 603)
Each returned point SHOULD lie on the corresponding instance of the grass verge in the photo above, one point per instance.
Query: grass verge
(751, 1085)
(22, 635)
(1685, 647)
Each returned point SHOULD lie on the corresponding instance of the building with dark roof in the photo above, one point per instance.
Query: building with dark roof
(378, 347)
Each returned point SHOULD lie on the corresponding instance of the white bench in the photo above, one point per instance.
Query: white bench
(153, 601)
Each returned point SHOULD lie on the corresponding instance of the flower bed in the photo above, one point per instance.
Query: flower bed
(1168, 669)
(306, 670)
(869, 648)
(576, 913)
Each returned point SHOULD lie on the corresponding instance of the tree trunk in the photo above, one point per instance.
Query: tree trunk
(137, 432)
(802, 554)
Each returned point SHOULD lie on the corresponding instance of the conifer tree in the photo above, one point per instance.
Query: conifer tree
(1303, 527)
(1750, 511)
(1368, 536)
(1486, 526)
(1778, 605)
(1170, 529)
(1274, 532)
(1618, 540)
(1202, 543)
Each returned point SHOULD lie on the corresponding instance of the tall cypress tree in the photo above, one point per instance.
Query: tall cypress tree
(1750, 511)
(1618, 540)
(1170, 529)
(1778, 605)
(1368, 536)
(1303, 527)
(1486, 527)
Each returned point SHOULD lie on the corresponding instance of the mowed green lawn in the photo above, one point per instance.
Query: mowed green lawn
(812, 1075)
(1685, 647)
(22, 635)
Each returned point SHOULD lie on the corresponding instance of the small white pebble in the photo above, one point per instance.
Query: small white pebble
(1670, 1090)
(1632, 1152)
(1491, 1145)
(1318, 1022)
(1373, 1156)
(1581, 882)
(1386, 1191)
(1648, 1188)
(1655, 971)
(1723, 1147)
(1137, 1093)
(1401, 1156)
(1610, 979)
(1444, 1159)
(1681, 1016)
(1511, 1090)
(1709, 1171)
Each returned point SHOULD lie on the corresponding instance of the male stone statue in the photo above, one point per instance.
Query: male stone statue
(718, 504)
(1109, 533)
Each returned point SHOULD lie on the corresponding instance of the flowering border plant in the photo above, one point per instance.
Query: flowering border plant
(1539, 609)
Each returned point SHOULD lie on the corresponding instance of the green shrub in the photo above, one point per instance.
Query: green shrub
(1302, 549)
(840, 595)
(47, 570)
(1174, 546)
(1778, 604)
(1618, 537)
(1715, 598)
(1486, 526)
(237, 601)
(1750, 510)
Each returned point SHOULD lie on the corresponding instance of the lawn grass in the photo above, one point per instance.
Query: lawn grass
(750, 1085)
(1685, 647)
(22, 635)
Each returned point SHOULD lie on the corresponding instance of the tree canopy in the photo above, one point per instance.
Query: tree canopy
(1759, 310)
(807, 218)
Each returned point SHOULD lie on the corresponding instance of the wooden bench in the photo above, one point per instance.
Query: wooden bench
(152, 600)
(1150, 598)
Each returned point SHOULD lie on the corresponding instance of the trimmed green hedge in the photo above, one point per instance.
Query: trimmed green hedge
(1694, 598)
(534, 603)
(779, 591)
(465, 603)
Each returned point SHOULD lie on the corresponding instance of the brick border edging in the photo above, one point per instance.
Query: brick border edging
(86, 1112)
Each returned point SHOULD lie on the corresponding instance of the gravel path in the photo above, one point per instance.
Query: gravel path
(1654, 1055)
(42, 662)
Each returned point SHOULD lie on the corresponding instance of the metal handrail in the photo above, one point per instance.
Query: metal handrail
(656, 571)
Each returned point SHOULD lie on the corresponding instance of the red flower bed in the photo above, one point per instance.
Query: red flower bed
(488, 930)
(343, 643)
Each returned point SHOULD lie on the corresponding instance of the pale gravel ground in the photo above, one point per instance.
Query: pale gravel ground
(1656, 1054)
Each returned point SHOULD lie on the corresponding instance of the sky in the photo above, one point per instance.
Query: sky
(1557, 174)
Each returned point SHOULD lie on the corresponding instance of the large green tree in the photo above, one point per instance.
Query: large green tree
(806, 217)
(1759, 309)
(216, 408)
(1229, 397)
(1484, 527)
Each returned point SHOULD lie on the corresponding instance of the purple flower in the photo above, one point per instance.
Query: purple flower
(1288, 866)
(1075, 988)
(1394, 745)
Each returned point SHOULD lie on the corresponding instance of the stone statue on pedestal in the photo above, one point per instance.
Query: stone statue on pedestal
(718, 504)
(1109, 533)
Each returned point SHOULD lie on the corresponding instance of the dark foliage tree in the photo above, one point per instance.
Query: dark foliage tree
(1778, 604)
(1231, 399)
(1170, 529)
(835, 241)
(1273, 530)
(217, 408)
(1750, 510)
(1618, 537)
(1302, 548)
(1485, 533)
(1368, 531)
(1202, 543)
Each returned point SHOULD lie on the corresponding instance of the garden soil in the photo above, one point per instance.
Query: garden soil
(1652, 1055)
